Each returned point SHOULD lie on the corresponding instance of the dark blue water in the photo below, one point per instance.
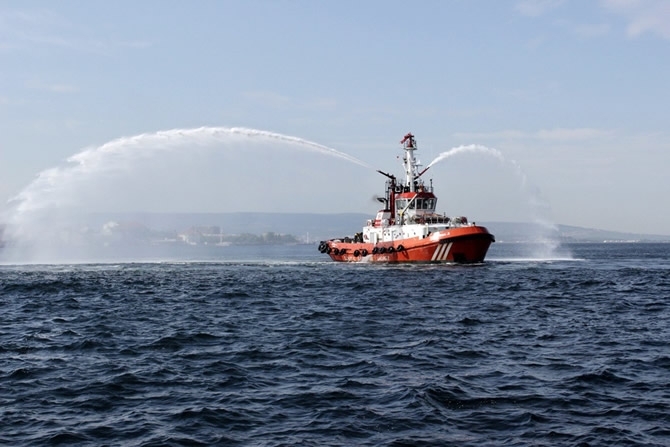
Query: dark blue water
(283, 347)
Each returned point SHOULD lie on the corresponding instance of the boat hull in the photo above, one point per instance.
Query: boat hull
(456, 245)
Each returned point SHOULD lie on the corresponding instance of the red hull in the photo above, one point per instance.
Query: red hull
(462, 245)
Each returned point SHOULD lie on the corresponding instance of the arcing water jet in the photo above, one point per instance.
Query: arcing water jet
(54, 198)
(548, 246)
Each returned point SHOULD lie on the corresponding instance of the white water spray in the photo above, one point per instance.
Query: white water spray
(477, 148)
(115, 154)
(546, 245)
(57, 197)
(467, 149)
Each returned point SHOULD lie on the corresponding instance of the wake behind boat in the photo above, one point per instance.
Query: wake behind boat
(408, 229)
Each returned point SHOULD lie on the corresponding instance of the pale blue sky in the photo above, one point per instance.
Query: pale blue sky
(575, 94)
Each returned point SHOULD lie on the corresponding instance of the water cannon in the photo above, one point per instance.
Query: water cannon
(421, 173)
(409, 137)
(392, 177)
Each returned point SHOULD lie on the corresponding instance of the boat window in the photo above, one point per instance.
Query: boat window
(429, 204)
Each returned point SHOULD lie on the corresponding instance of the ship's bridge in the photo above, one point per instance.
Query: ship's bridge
(414, 204)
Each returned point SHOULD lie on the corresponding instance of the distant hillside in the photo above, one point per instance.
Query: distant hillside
(525, 232)
(326, 226)
(579, 234)
(316, 226)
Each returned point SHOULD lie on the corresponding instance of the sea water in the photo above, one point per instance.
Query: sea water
(281, 346)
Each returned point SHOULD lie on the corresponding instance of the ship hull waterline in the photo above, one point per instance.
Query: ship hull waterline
(465, 245)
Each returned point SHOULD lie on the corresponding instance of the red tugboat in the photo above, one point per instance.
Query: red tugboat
(408, 229)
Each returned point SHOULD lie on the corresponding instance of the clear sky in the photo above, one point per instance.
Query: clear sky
(574, 94)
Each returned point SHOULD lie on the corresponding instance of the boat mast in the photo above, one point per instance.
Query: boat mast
(409, 145)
